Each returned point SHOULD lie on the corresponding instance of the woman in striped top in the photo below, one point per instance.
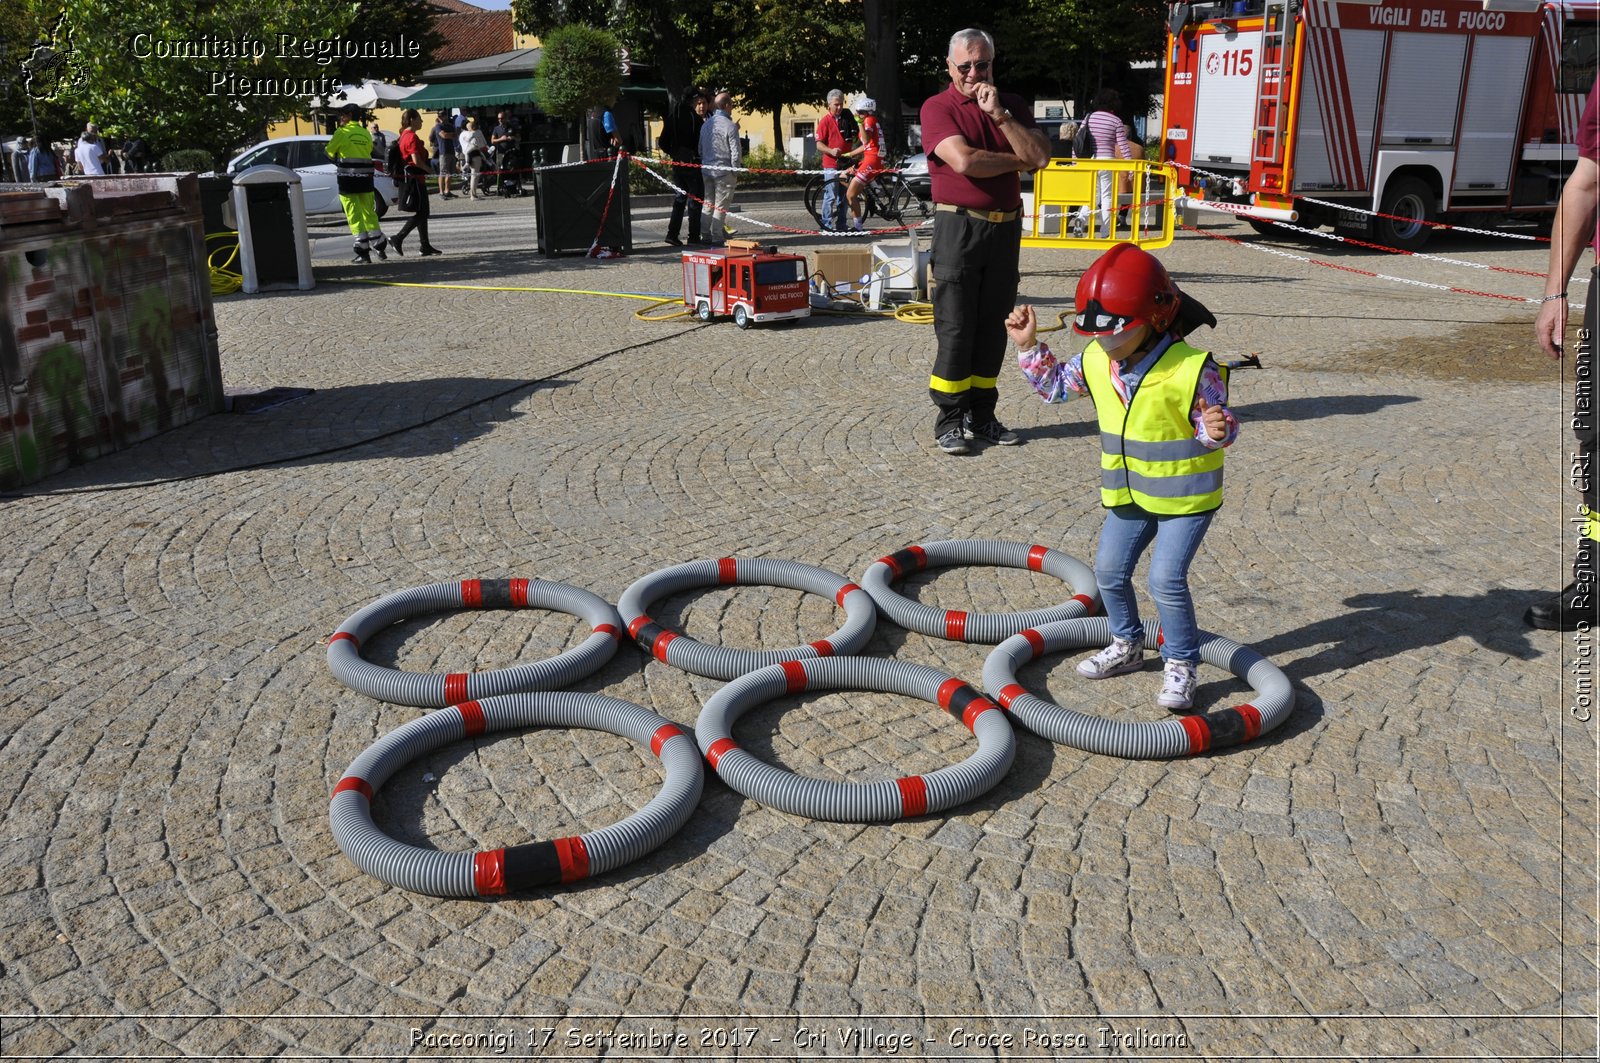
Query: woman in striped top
(1110, 142)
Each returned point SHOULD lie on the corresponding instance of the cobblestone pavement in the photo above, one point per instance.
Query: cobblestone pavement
(1406, 867)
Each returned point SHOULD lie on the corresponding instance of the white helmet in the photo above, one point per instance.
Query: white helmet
(866, 103)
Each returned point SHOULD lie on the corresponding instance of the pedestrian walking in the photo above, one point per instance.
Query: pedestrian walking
(414, 196)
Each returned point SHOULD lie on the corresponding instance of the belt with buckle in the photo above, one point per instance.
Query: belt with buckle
(994, 216)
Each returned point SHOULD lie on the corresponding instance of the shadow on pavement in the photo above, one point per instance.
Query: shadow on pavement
(1393, 623)
(1311, 407)
(328, 425)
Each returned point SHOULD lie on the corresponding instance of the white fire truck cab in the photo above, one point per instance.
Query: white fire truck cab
(1418, 110)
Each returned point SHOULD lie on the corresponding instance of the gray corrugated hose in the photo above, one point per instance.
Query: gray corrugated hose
(977, 627)
(1270, 705)
(436, 690)
(720, 662)
(521, 867)
(856, 802)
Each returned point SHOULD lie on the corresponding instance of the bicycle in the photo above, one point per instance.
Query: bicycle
(886, 196)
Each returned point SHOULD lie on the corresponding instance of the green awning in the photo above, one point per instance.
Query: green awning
(443, 95)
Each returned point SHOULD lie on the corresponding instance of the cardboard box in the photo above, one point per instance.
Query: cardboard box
(845, 272)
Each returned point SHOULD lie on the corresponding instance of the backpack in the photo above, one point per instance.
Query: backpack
(1083, 141)
(848, 127)
(395, 164)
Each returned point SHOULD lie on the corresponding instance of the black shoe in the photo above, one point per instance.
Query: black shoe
(953, 442)
(426, 251)
(395, 243)
(380, 249)
(1564, 611)
(990, 431)
(363, 256)
(673, 240)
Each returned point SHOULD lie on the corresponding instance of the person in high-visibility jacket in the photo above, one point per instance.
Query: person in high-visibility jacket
(350, 148)
(1164, 423)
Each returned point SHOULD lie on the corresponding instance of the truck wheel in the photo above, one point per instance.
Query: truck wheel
(1408, 207)
(702, 310)
(741, 316)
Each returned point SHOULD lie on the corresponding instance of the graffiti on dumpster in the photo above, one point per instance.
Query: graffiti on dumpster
(102, 343)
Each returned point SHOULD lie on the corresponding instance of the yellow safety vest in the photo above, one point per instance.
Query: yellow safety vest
(1148, 453)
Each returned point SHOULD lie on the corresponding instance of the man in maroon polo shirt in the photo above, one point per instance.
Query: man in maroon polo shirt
(978, 140)
(1577, 226)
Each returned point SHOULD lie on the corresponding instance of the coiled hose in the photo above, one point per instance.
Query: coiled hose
(497, 871)
(1270, 705)
(977, 627)
(913, 795)
(434, 690)
(721, 662)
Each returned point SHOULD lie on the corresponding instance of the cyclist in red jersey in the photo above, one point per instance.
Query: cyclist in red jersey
(871, 164)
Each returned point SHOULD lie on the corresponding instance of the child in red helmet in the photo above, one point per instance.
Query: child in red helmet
(1164, 421)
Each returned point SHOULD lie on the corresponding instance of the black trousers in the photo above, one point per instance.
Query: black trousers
(689, 179)
(974, 267)
(419, 217)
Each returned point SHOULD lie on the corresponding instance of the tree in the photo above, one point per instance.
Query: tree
(581, 68)
(381, 21)
(209, 76)
(785, 52)
(28, 90)
(1103, 41)
(673, 35)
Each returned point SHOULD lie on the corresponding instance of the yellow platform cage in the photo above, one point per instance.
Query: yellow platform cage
(1067, 209)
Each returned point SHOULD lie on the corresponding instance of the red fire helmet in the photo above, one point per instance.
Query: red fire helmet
(1124, 288)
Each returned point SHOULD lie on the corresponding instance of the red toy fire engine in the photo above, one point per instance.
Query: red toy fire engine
(751, 283)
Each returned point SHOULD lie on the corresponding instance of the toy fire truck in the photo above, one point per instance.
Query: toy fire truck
(751, 283)
(1465, 110)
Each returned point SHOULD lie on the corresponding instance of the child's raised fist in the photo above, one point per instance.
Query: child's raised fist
(1021, 325)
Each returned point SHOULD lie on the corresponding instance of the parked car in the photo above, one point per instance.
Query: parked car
(306, 155)
(915, 171)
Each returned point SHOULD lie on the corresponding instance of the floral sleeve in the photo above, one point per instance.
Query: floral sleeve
(1054, 381)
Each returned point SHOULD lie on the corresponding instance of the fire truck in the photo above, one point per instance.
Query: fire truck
(1418, 110)
(753, 284)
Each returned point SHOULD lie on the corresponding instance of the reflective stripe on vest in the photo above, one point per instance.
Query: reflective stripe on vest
(1148, 453)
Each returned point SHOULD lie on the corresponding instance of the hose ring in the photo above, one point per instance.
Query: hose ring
(436, 690)
(823, 799)
(960, 626)
(1271, 702)
(721, 662)
(494, 872)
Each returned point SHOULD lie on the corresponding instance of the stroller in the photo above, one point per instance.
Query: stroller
(509, 162)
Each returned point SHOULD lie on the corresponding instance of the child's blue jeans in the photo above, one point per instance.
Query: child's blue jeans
(1127, 532)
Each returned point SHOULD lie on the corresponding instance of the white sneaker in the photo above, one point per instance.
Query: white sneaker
(1115, 659)
(1177, 687)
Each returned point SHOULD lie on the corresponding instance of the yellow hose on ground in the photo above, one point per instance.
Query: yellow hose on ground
(224, 281)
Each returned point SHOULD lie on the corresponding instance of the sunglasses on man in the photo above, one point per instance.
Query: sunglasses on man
(982, 65)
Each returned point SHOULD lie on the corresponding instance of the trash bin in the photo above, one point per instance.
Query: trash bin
(215, 191)
(574, 199)
(274, 244)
